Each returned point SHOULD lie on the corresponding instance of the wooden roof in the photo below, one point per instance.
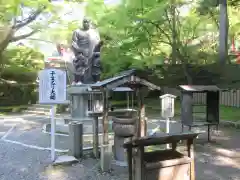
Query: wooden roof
(125, 77)
(199, 88)
(122, 89)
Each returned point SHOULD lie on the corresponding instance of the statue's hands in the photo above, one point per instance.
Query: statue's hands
(101, 43)
(81, 60)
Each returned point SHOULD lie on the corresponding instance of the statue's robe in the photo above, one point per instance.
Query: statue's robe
(85, 46)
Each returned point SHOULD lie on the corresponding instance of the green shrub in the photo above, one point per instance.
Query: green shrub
(61, 108)
(19, 74)
(17, 94)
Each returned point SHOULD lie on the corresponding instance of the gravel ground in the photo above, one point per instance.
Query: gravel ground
(20, 163)
(215, 161)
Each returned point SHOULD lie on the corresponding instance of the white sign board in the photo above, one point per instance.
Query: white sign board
(167, 105)
(52, 86)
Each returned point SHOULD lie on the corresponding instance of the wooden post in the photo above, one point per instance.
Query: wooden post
(190, 149)
(141, 131)
(105, 149)
(105, 118)
(137, 134)
(142, 121)
(95, 137)
(130, 168)
(139, 168)
(209, 135)
(174, 146)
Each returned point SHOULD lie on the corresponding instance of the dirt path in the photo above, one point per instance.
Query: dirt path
(219, 160)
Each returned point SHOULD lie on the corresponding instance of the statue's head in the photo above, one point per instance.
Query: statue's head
(86, 23)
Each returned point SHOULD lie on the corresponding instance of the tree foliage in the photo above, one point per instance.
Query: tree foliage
(146, 33)
(136, 33)
(20, 19)
(21, 64)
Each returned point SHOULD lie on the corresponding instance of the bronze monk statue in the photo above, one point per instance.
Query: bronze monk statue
(86, 46)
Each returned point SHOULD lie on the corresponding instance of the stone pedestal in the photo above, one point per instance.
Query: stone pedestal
(106, 157)
(118, 150)
(79, 98)
(83, 103)
(123, 127)
(79, 107)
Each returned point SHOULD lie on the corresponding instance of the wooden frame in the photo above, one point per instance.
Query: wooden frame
(138, 166)
(212, 107)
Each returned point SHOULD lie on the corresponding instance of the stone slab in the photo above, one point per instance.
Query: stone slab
(120, 163)
(65, 160)
(79, 89)
(64, 129)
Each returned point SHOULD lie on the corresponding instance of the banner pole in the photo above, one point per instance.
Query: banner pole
(53, 126)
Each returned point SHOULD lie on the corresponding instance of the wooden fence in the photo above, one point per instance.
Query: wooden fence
(227, 98)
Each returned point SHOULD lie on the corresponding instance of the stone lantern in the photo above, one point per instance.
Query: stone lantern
(167, 101)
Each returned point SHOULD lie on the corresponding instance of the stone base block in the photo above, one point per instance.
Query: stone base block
(64, 129)
(106, 157)
(60, 128)
(65, 160)
(119, 151)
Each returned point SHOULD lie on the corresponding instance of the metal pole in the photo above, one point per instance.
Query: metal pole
(52, 112)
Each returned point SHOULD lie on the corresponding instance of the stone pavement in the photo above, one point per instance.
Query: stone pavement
(22, 159)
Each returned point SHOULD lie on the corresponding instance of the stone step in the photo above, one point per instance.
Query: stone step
(89, 137)
(32, 108)
(40, 109)
(41, 105)
(36, 112)
(64, 129)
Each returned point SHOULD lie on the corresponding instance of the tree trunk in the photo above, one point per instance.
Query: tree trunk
(184, 63)
(1, 64)
(174, 33)
(223, 34)
(187, 74)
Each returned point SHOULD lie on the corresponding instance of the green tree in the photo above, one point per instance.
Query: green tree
(147, 33)
(15, 15)
(21, 64)
(226, 19)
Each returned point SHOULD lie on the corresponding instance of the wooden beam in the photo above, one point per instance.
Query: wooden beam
(190, 149)
(95, 137)
(106, 149)
(105, 117)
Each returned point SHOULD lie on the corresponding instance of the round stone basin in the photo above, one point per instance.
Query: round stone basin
(125, 112)
(124, 125)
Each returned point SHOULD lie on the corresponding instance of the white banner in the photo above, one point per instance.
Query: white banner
(52, 86)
